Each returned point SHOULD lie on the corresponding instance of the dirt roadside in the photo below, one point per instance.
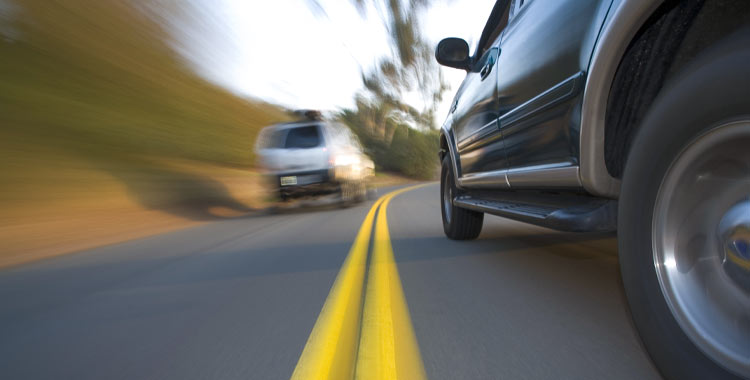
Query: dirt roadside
(88, 207)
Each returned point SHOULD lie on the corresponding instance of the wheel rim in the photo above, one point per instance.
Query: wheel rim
(447, 197)
(701, 233)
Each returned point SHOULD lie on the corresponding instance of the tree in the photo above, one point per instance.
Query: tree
(410, 68)
(399, 136)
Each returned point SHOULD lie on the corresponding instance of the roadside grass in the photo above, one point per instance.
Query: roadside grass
(100, 77)
(106, 134)
(71, 204)
(385, 179)
(88, 207)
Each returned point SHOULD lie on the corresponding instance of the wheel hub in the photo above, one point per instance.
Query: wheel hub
(447, 200)
(734, 235)
(701, 236)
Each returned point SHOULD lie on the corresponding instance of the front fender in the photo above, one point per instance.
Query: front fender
(447, 134)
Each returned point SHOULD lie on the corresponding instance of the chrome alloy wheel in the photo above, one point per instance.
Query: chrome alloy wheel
(701, 240)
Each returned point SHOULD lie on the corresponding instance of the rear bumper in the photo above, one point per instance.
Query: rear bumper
(314, 182)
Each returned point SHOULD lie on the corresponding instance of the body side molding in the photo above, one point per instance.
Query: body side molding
(559, 93)
(557, 175)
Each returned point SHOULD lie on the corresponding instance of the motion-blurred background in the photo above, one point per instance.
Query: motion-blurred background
(125, 118)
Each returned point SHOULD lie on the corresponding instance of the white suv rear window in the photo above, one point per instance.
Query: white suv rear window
(303, 137)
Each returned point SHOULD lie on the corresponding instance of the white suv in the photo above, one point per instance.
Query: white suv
(314, 157)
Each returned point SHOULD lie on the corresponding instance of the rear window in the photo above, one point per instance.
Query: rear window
(303, 137)
(270, 137)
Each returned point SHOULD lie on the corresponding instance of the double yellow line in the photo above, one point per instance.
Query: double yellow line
(374, 340)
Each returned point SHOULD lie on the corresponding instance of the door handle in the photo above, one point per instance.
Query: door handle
(487, 69)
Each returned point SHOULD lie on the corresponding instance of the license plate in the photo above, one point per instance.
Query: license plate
(289, 180)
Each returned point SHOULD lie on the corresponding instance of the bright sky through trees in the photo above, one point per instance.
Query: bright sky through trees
(297, 55)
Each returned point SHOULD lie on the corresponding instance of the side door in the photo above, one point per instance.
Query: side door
(476, 114)
(476, 104)
(546, 49)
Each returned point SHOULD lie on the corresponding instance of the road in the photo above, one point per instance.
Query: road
(239, 298)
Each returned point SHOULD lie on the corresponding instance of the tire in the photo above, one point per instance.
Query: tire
(347, 196)
(695, 111)
(458, 223)
(361, 192)
(351, 193)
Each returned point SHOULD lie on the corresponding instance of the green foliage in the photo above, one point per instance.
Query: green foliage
(413, 152)
(410, 152)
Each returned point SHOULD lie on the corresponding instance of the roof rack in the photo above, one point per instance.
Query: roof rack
(309, 114)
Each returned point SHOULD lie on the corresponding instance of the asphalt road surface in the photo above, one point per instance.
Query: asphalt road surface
(239, 298)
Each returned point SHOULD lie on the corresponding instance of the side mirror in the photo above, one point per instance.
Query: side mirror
(453, 52)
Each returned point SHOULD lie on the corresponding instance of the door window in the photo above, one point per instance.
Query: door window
(270, 138)
(492, 32)
(516, 6)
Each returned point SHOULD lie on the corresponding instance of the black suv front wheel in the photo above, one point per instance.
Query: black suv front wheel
(684, 221)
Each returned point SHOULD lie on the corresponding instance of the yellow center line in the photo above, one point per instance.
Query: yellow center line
(333, 346)
(388, 347)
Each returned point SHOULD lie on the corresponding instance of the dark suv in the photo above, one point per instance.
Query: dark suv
(626, 115)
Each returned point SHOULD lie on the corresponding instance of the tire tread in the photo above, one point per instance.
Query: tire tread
(465, 224)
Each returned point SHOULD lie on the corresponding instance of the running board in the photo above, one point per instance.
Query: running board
(586, 215)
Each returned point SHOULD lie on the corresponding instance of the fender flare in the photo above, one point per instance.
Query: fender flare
(625, 20)
(450, 141)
